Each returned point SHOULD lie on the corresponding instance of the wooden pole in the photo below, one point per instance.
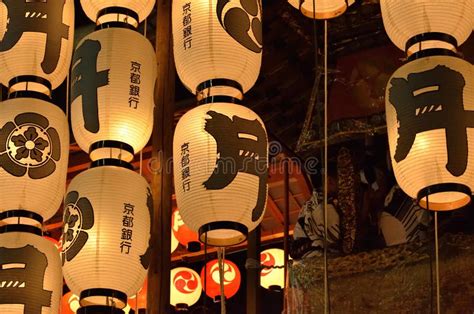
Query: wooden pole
(286, 239)
(253, 274)
(158, 299)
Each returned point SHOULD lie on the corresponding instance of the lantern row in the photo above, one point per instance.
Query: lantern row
(108, 208)
(35, 53)
(429, 101)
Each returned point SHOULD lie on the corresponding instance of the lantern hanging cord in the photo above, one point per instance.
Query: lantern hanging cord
(221, 259)
(438, 297)
(325, 176)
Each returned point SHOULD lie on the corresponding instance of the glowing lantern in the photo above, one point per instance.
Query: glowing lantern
(34, 147)
(174, 241)
(217, 43)
(424, 24)
(106, 235)
(185, 287)
(221, 169)
(432, 155)
(69, 303)
(138, 301)
(30, 269)
(211, 284)
(98, 10)
(112, 93)
(36, 41)
(182, 232)
(56, 243)
(321, 9)
(272, 278)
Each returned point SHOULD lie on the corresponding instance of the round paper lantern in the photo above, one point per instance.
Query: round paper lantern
(185, 287)
(137, 9)
(423, 24)
(112, 85)
(36, 42)
(430, 124)
(232, 279)
(140, 298)
(217, 42)
(220, 171)
(30, 271)
(321, 9)
(272, 278)
(69, 303)
(182, 232)
(106, 235)
(174, 241)
(34, 149)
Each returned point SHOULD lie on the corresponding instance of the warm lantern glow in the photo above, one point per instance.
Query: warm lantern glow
(321, 9)
(30, 269)
(232, 279)
(106, 233)
(140, 298)
(36, 45)
(69, 303)
(271, 278)
(185, 286)
(113, 79)
(182, 232)
(34, 147)
(217, 40)
(430, 20)
(220, 166)
(141, 7)
(429, 105)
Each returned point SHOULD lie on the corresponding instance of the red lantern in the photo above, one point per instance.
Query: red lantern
(185, 287)
(69, 303)
(138, 301)
(182, 231)
(231, 279)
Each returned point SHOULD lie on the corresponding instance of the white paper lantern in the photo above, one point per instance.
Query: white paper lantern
(217, 39)
(185, 287)
(106, 234)
(34, 150)
(430, 20)
(220, 171)
(321, 9)
(272, 277)
(141, 7)
(113, 79)
(430, 124)
(36, 39)
(30, 274)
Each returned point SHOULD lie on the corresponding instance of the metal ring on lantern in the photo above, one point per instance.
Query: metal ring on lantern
(440, 188)
(99, 309)
(221, 99)
(21, 228)
(418, 39)
(431, 52)
(118, 24)
(21, 213)
(218, 225)
(29, 93)
(218, 82)
(112, 144)
(102, 292)
(275, 288)
(182, 307)
(111, 162)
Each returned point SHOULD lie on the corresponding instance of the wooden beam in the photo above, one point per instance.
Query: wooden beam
(158, 298)
(253, 274)
(272, 206)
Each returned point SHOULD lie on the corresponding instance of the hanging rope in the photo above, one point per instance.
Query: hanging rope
(220, 260)
(326, 285)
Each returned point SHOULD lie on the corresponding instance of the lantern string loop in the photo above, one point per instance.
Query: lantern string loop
(221, 259)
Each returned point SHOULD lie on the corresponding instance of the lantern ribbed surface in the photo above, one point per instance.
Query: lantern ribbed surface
(232, 279)
(217, 39)
(430, 124)
(142, 7)
(185, 286)
(37, 50)
(272, 276)
(30, 269)
(321, 9)
(404, 19)
(106, 231)
(34, 150)
(235, 137)
(112, 92)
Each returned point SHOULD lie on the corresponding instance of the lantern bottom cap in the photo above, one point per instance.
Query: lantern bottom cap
(223, 233)
(102, 296)
(99, 309)
(275, 288)
(444, 196)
